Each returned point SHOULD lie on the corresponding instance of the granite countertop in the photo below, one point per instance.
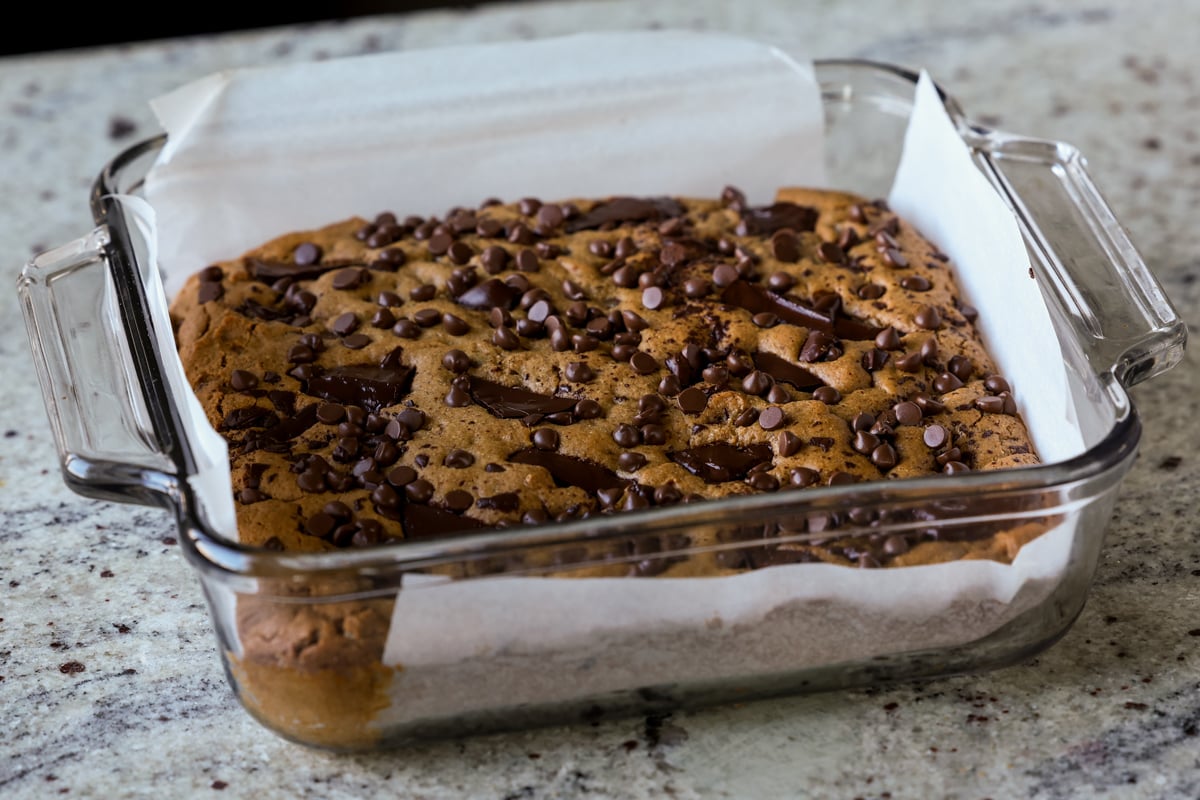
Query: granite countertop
(109, 675)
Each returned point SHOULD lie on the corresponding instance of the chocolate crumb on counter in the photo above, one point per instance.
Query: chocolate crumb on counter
(537, 361)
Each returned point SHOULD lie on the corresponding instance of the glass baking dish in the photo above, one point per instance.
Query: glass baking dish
(328, 649)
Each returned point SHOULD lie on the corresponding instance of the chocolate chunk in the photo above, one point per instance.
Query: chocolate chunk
(510, 402)
(766, 220)
(756, 299)
(718, 463)
(569, 470)
(784, 371)
(505, 502)
(366, 385)
(620, 210)
(271, 271)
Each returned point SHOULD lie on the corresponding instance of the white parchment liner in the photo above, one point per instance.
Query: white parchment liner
(256, 153)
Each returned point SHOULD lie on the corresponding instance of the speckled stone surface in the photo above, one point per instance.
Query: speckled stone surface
(109, 680)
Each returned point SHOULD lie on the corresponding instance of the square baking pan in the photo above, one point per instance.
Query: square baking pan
(367, 648)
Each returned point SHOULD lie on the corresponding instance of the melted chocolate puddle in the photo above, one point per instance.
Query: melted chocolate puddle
(718, 463)
(571, 471)
(626, 209)
(363, 385)
(790, 308)
(510, 402)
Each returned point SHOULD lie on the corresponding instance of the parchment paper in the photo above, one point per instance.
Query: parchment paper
(593, 115)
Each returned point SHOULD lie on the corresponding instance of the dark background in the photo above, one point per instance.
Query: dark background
(55, 27)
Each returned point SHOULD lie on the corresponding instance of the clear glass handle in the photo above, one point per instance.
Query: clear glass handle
(107, 440)
(1103, 289)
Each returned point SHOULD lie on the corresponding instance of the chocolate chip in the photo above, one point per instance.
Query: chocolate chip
(772, 418)
(459, 500)
(915, 283)
(927, 317)
(909, 362)
(871, 291)
(457, 397)
(765, 319)
(996, 384)
(888, 339)
(831, 253)
(990, 404)
(505, 339)
(494, 258)
(406, 329)
(545, 439)
(631, 461)
(306, 254)
(670, 386)
(626, 436)
(401, 476)
(827, 395)
(579, 372)
(356, 341)
(350, 278)
(785, 246)
(804, 476)
(653, 434)
(455, 326)
(692, 400)
(696, 287)
(908, 413)
(955, 467)
(419, 491)
(459, 253)
(456, 361)
(874, 359)
(209, 291)
(423, 293)
(643, 363)
(788, 443)
(242, 381)
(746, 418)
(725, 275)
(652, 298)
(345, 324)
(757, 383)
(936, 436)
(947, 382)
(894, 258)
(527, 261)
